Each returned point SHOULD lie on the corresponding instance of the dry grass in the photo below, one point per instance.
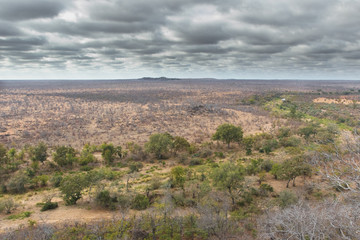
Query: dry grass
(336, 101)
(129, 112)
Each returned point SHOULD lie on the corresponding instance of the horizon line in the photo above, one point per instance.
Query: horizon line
(176, 79)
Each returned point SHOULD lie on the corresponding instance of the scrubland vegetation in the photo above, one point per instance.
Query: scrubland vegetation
(297, 179)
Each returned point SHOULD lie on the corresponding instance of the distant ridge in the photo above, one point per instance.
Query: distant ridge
(159, 78)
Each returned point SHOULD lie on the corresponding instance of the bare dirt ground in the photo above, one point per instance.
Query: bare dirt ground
(64, 214)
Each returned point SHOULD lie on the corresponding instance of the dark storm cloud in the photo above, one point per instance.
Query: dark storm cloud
(202, 34)
(227, 36)
(18, 10)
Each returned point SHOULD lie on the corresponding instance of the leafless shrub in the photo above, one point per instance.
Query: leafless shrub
(48, 197)
(7, 205)
(341, 163)
(214, 217)
(329, 220)
(41, 232)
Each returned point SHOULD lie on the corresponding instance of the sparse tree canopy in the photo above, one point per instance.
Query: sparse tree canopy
(228, 133)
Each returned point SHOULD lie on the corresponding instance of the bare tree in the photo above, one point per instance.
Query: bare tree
(329, 220)
(341, 164)
(214, 217)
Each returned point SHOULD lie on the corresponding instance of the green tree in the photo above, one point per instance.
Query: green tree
(71, 187)
(293, 168)
(140, 202)
(41, 180)
(178, 176)
(3, 155)
(39, 153)
(229, 176)
(118, 151)
(108, 152)
(309, 130)
(254, 166)
(228, 133)
(56, 179)
(12, 154)
(248, 143)
(293, 111)
(276, 170)
(86, 156)
(104, 199)
(16, 183)
(159, 144)
(270, 145)
(133, 147)
(64, 156)
(180, 144)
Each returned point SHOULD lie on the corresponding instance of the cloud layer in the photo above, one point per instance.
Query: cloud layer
(213, 38)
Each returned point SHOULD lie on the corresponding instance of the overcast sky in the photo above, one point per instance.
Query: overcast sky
(257, 39)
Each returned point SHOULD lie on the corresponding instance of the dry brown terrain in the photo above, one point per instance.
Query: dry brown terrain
(127, 112)
(336, 101)
(77, 112)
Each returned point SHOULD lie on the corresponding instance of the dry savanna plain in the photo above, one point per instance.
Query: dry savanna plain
(179, 159)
